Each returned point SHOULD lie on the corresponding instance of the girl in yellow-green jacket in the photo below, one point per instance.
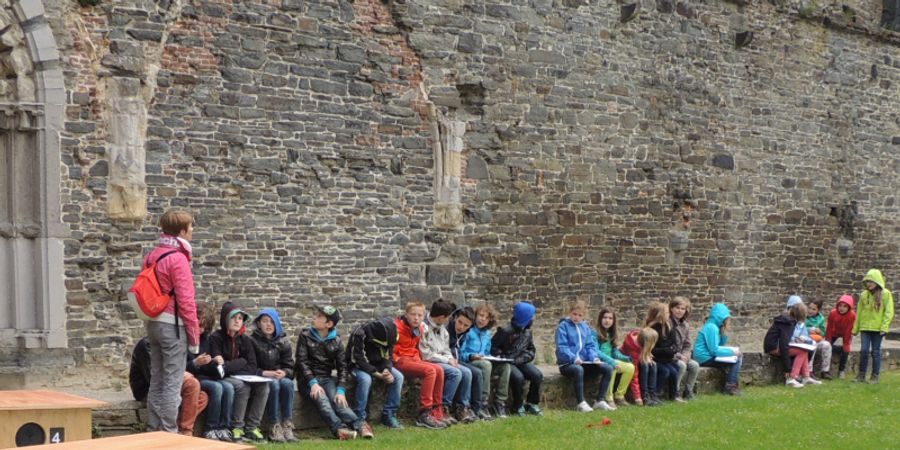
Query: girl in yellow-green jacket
(873, 318)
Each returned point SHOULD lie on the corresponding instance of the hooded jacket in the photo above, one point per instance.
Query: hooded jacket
(318, 356)
(817, 321)
(435, 343)
(666, 346)
(514, 342)
(605, 348)
(207, 371)
(870, 316)
(407, 341)
(273, 353)
(477, 342)
(174, 274)
(683, 345)
(574, 341)
(841, 325)
(139, 371)
(778, 337)
(456, 340)
(370, 347)
(709, 342)
(237, 350)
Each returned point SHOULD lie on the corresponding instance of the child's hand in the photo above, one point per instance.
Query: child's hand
(315, 391)
(579, 361)
(340, 400)
(475, 357)
(387, 376)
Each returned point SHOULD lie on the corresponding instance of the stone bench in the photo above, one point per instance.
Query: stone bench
(124, 415)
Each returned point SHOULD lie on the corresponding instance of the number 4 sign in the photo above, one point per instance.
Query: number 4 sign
(57, 435)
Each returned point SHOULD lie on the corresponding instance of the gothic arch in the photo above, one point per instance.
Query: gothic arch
(32, 98)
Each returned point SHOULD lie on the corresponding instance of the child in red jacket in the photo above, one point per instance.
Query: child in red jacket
(840, 326)
(632, 349)
(408, 361)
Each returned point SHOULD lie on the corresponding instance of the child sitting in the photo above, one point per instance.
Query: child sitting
(322, 374)
(632, 349)
(236, 349)
(370, 351)
(515, 342)
(210, 372)
(664, 351)
(275, 360)
(435, 348)
(475, 347)
(457, 328)
(788, 328)
(840, 326)
(710, 345)
(815, 323)
(605, 338)
(408, 360)
(679, 310)
(577, 357)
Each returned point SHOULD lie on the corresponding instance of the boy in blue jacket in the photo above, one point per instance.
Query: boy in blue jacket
(577, 357)
(709, 346)
(476, 346)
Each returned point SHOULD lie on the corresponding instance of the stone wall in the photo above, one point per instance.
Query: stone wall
(618, 163)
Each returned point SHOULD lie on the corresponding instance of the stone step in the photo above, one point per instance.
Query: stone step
(125, 415)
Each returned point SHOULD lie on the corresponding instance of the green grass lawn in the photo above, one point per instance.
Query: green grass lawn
(838, 414)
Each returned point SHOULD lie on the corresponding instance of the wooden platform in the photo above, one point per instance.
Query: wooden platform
(61, 416)
(154, 440)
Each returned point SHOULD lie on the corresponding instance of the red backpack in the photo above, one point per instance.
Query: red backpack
(145, 295)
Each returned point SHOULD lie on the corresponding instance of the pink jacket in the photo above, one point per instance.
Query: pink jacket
(175, 270)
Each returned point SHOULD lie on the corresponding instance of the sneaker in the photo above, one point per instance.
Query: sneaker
(533, 409)
(254, 435)
(793, 383)
(237, 434)
(287, 427)
(620, 401)
(860, 378)
(678, 399)
(391, 421)
(810, 380)
(345, 434)
(446, 416)
(483, 414)
(426, 419)
(438, 415)
(583, 407)
(826, 376)
(469, 416)
(365, 430)
(638, 402)
(842, 374)
(602, 405)
(500, 410)
(276, 434)
(212, 435)
(224, 435)
(688, 395)
(652, 400)
(520, 411)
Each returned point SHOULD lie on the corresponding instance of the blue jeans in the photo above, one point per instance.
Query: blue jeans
(221, 404)
(452, 379)
(364, 387)
(474, 394)
(667, 376)
(464, 391)
(647, 380)
(578, 372)
(332, 414)
(280, 406)
(871, 341)
(732, 370)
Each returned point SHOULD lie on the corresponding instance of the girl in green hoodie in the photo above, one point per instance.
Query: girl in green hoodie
(873, 318)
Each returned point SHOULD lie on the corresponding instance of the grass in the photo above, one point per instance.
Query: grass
(838, 414)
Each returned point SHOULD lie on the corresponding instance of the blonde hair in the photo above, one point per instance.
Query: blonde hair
(174, 221)
(578, 305)
(413, 304)
(658, 314)
(647, 340)
(206, 314)
(681, 301)
(491, 312)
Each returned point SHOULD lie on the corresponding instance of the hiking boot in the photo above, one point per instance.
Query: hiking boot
(391, 421)
(500, 410)
(810, 380)
(583, 407)
(483, 414)
(620, 401)
(688, 395)
(446, 416)
(212, 435)
(793, 383)
(860, 378)
(365, 430)
(237, 434)
(427, 420)
(602, 405)
(276, 433)
(533, 409)
(826, 376)
(732, 389)
(254, 435)
(287, 428)
(464, 414)
(873, 379)
(224, 435)
(345, 434)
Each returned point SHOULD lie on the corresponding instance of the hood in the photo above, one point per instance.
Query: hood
(846, 298)
(523, 314)
(332, 334)
(793, 300)
(229, 310)
(382, 330)
(279, 331)
(718, 313)
(875, 276)
(784, 319)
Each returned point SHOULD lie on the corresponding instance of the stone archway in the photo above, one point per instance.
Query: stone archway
(32, 98)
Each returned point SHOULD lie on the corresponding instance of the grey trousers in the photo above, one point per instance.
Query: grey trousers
(692, 369)
(168, 358)
(254, 394)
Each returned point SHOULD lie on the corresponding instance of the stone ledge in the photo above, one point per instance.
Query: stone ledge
(125, 415)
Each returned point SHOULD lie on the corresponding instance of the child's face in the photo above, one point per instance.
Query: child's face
(843, 308)
(607, 321)
(266, 325)
(813, 309)
(320, 322)
(870, 285)
(576, 315)
(235, 323)
(439, 320)
(415, 316)
(678, 311)
(482, 319)
(462, 324)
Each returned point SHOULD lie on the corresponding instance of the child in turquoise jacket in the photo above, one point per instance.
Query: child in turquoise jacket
(709, 346)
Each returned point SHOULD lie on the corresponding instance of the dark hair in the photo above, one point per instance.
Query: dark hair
(466, 311)
(441, 308)
(818, 302)
(613, 332)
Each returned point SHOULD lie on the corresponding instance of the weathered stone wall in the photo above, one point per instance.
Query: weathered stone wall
(615, 163)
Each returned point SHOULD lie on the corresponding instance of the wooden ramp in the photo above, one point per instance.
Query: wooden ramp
(41, 416)
(142, 441)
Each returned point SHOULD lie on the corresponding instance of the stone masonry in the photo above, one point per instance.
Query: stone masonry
(370, 152)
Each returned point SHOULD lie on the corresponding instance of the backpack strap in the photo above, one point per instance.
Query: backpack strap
(171, 293)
